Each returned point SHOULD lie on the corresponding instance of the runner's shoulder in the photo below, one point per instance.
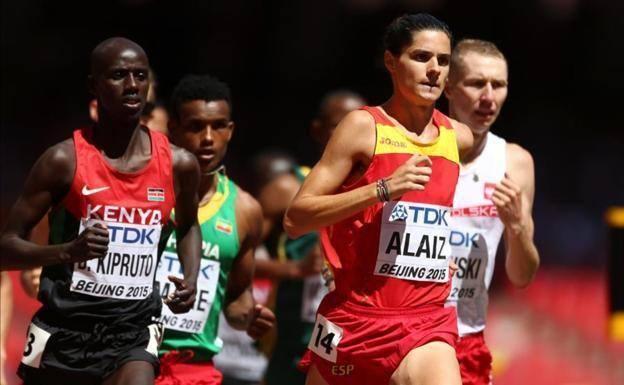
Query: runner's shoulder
(59, 161)
(357, 122)
(518, 157)
(247, 206)
(465, 139)
(248, 216)
(183, 160)
(355, 134)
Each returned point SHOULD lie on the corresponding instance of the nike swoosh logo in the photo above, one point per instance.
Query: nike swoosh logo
(86, 191)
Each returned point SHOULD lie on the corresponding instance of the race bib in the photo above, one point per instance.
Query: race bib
(36, 340)
(156, 337)
(414, 242)
(325, 339)
(127, 270)
(207, 280)
(469, 251)
(314, 290)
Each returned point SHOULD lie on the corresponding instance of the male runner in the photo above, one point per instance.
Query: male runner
(385, 187)
(231, 223)
(301, 287)
(111, 189)
(494, 195)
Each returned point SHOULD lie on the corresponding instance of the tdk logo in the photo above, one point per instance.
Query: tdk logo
(419, 215)
(399, 214)
(464, 239)
(131, 235)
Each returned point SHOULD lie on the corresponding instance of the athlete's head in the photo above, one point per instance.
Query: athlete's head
(200, 119)
(334, 106)
(418, 54)
(267, 166)
(119, 78)
(477, 86)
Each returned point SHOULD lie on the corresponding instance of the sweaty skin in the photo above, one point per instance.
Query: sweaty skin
(418, 75)
(205, 128)
(423, 68)
(118, 80)
(476, 91)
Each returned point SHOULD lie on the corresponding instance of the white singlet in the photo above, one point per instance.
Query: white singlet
(476, 233)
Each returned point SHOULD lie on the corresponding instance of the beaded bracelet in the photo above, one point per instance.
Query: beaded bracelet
(383, 193)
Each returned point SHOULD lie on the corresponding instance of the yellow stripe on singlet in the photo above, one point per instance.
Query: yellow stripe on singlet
(207, 211)
(616, 326)
(390, 140)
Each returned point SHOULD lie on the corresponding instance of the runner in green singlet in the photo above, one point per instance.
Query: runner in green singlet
(230, 221)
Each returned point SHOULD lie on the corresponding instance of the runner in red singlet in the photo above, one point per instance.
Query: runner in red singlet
(111, 188)
(382, 194)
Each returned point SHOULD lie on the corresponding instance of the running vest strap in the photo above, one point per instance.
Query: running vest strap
(476, 233)
(395, 255)
(135, 207)
(197, 329)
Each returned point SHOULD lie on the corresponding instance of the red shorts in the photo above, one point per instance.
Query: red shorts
(176, 369)
(353, 344)
(475, 360)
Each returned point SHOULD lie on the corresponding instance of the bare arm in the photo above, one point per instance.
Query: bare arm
(274, 199)
(240, 309)
(239, 301)
(316, 204)
(465, 140)
(188, 233)
(513, 198)
(48, 182)
(352, 144)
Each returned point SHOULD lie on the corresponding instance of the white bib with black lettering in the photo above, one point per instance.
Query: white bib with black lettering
(207, 280)
(413, 242)
(127, 270)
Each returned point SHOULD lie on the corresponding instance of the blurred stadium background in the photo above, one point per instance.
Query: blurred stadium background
(279, 57)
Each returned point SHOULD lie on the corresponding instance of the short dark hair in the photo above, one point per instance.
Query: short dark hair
(336, 94)
(198, 87)
(400, 31)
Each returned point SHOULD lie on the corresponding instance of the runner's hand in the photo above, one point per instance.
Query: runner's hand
(91, 243)
(183, 298)
(412, 175)
(453, 268)
(508, 200)
(263, 320)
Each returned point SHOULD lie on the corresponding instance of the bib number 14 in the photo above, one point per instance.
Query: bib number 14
(325, 339)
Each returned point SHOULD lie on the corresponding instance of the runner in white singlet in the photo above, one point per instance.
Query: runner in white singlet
(494, 196)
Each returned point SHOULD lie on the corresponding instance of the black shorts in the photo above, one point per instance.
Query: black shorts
(54, 354)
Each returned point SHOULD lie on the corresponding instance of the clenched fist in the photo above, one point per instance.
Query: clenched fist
(412, 175)
(263, 320)
(508, 200)
(91, 243)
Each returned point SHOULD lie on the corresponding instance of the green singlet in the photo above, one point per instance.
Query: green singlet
(197, 329)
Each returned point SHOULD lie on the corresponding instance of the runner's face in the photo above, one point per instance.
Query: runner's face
(121, 86)
(419, 73)
(479, 92)
(204, 129)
